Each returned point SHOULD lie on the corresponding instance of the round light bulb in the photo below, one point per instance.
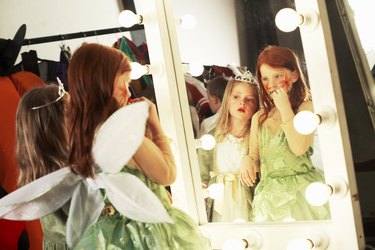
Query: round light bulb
(195, 69)
(318, 193)
(208, 142)
(128, 19)
(215, 190)
(288, 19)
(300, 244)
(234, 244)
(187, 22)
(306, 122)
(138, 70)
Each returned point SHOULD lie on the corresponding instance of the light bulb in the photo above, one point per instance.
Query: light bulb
(138, 70)
(234, 244)
(193, 68)
(300, 244)
(187, 22)
(306, 122)
(128, 19)
(318, 193)
(313, 240)
(208, 142)
(215, 190)
(288, 19)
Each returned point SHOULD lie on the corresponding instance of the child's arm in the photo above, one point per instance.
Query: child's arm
(250, 162)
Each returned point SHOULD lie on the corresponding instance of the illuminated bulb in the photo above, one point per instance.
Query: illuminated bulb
(318, 193)
(187, 22)
(234, 244)
(215, 190)
(206, 142)
(138, 70)
(194, 69)
(128, 19)
(288, 19)
(251, 240)
(306, 122)
(300, 244)
(315, 240)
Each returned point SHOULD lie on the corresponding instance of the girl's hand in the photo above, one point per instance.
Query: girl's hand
(153, 118)
(248, 171)
(281, 99)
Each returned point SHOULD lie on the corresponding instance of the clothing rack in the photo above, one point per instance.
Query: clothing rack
(63, 37)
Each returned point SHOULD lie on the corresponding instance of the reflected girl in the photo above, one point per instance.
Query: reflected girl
(277, 150)
(220, 167)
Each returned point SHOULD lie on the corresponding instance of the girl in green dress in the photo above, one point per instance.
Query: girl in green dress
(277, 151)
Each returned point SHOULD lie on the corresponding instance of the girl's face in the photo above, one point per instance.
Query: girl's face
(243, 101)
(275, 78)
(121, 89)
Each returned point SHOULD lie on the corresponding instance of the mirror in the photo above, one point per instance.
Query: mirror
(234, 34)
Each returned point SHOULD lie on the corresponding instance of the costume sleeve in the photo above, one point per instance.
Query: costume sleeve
(297, 142)
(205, 164)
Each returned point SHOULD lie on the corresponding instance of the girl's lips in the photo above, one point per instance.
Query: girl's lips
(241, 110)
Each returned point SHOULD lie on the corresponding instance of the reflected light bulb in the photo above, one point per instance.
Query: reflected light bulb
(187, 22)
(194, 69)
(300, 244)
(317, 193)
(138, 70)
(288, 19)
(128, 19)
(215, 190)
(306, 122)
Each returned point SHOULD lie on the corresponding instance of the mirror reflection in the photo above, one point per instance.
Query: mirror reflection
(284, 161)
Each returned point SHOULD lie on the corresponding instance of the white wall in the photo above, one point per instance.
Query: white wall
(214, 40)
(52, 17)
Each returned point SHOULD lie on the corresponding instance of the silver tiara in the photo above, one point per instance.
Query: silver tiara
(61, 92)
(247, 77)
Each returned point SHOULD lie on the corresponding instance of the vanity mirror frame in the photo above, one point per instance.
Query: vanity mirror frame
(344, 229)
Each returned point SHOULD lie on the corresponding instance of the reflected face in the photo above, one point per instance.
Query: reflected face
(121, 88)
(275, 78)
(243, 101)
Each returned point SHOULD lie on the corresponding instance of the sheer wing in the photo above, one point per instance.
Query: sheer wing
(131, 197)
(120, 136)
(39, 197)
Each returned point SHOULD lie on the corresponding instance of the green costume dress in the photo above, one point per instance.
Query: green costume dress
(280, 194)
(114, 231)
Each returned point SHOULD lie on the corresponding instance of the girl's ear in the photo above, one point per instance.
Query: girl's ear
(294, 76)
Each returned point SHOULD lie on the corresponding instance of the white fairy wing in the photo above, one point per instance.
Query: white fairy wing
(131, 197)
(40, 197)
(120, 136)
(86, 206)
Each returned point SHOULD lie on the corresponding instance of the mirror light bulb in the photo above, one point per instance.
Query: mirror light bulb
(288, 19)
(300, 244)
(187, 22)
(208, 142)
(215, 190)
(234, 244)
(138, 70)
(128, 19)
(306, 122)
(317, 193)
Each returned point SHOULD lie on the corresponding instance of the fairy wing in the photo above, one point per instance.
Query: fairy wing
(40, 197)
(120, 136)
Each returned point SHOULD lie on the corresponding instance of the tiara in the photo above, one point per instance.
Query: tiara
(247, 77)
(61, 92)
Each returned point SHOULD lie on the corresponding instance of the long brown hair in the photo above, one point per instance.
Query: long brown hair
(41, 145)
(282, 57)
(91, 75)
